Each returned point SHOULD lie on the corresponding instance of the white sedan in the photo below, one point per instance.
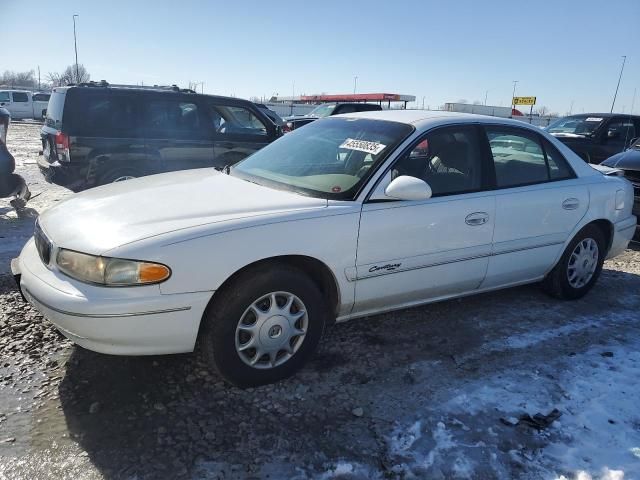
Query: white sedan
(350, 216)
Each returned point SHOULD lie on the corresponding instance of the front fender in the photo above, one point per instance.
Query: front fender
(206, 261)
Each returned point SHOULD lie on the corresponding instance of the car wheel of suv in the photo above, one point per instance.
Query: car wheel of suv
(264, 325)
(579, 267)
(120, 174)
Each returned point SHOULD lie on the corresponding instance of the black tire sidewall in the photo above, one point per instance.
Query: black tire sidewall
(223, 315)
(567, 290)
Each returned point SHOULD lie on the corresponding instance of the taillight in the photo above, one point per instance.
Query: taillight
(62, 146)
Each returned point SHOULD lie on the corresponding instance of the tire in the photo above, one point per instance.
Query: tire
(223, 334)
(118, 174)
(558, 284)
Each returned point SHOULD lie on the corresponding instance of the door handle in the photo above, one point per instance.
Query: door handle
(477, 218)
(571, 204)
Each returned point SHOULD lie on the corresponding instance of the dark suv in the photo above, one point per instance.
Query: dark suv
(328, 109)
(596, 136)
(98, 133)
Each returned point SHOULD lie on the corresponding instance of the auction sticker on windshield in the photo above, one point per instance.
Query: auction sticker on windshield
(373, 148)
(593, 119)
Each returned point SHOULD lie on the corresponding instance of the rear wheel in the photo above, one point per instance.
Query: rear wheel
(580, 265)
(263, 326)
(120, 174)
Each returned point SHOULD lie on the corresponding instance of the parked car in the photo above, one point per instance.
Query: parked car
(629, 162)
(98, 133)
(596, 136)
(348, 217)
(328, 109)
(24, 104)
(275, 118)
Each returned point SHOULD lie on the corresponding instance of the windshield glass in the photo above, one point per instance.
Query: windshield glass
(328, 158)
(322, 111)
(575, 125)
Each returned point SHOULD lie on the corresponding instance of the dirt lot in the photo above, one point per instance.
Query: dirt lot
(430, 392)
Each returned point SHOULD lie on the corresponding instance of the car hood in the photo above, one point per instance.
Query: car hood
(627, 160)
(104, 218)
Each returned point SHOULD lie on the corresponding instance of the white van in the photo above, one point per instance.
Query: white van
(25, 104)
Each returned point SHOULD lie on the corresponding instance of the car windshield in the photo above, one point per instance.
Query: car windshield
(329, 158)
(322, 111)
(583, 126)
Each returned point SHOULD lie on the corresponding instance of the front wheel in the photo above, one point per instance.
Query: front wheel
(263, 326)
(580, 265)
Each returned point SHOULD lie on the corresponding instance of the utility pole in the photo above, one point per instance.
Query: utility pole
(39, 78)
(75, 46)
(624, 59)
(423, 102)
(355, 83)
(515, 82)
(571, 107)
(485, 97)
(633, 102)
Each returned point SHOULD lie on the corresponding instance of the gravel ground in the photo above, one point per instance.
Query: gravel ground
(432, 392)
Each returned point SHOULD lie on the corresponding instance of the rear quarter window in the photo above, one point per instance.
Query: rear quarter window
(103, 115)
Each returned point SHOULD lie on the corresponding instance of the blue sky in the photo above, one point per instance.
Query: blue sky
(561, 51)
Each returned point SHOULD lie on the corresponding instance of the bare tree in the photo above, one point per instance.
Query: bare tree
(542, 111)
(477, 102)
(68, 76)
(19, 79)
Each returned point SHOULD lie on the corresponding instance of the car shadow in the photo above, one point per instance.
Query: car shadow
(169, 417)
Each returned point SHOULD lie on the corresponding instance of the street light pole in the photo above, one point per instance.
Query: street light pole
(355, 83)
(485, 97)
(75, 46)
(624, 59)
(513, 95)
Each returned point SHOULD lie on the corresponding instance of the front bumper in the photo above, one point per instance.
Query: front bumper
(120, 321)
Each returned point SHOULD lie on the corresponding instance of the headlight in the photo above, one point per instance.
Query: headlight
(107, 271)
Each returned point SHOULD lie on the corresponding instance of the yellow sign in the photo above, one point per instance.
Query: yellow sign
(524, 100)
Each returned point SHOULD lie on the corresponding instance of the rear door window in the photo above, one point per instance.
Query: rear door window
(173, 118)
(20, 97)
(519, 158)
(102, 114)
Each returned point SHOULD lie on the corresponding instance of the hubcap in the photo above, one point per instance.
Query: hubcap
(271, 330)
(123, 178)
(583, 263)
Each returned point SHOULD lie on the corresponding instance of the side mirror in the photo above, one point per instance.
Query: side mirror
(612, 134)
(405, 187)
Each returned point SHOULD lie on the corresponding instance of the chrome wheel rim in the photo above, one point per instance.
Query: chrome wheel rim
(271, 330)
(583, 263)
(123, 178)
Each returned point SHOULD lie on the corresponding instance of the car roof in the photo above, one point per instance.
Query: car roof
(601, 115)
(425, 118)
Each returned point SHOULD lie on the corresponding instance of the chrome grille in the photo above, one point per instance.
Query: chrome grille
(43, 245)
